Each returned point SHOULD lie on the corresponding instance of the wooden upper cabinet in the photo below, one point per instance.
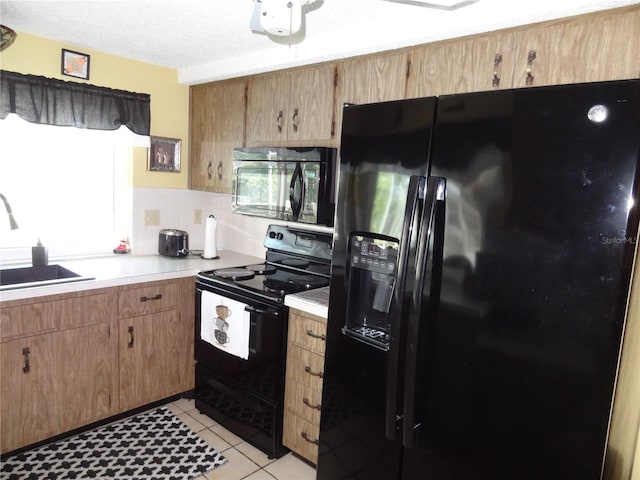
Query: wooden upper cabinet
(291, 108)
(370, 79)
(471, 65)
(217, 126)
(586, 49)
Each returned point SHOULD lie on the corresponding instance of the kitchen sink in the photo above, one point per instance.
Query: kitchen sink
(24, 277)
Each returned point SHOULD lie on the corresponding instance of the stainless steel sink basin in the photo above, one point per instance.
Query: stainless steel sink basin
(36, 276)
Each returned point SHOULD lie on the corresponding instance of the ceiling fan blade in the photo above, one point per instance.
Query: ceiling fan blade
(436, 4)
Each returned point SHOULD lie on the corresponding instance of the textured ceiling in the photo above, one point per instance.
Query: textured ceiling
(211, 39)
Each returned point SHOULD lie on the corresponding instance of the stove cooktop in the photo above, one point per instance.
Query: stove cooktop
(296, 260)
(266, 279)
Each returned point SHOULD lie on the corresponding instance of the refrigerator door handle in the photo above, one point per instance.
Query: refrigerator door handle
(431, 235)
(415, 199)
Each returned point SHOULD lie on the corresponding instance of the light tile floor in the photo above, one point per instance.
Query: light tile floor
(245, 461)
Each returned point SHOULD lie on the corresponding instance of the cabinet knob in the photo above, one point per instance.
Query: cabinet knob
(279, 121)
(209, 174)
(220, 170)
(294, 120)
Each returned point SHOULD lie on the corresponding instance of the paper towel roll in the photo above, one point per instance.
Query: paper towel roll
(210, 244)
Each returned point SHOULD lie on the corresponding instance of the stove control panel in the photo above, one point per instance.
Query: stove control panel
(309, 243)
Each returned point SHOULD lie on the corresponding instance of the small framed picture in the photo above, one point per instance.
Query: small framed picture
(164, 155)
(75, 64)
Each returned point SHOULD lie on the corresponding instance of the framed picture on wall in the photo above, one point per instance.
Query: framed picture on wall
(75, 64)
(164, 155)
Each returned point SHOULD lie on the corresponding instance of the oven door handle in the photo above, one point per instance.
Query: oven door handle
(260, 311)
(255, 322)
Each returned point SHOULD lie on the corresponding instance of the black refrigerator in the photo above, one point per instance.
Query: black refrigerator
(483, 248)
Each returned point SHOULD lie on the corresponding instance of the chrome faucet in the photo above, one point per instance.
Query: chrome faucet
(12, 221)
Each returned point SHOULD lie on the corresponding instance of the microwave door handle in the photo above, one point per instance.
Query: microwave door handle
(406, 256)
(296, 200)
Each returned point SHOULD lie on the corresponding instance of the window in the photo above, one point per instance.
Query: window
(65, 186)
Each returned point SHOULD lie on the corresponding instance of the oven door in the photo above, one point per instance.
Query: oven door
(246, 396)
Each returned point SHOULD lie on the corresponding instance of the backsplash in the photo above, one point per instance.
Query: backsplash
(176, 208)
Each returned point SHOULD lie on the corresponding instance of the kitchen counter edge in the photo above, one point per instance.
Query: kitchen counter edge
(125, 270)
(314, 302)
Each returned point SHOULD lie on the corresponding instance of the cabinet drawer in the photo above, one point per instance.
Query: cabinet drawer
(301, 437)
(303, 401)
(150, 299)
(305, 367)
(43, 317)
(308, 333)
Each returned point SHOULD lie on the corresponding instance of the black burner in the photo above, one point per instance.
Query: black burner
(295, 262)
(234, 273)
(261, 268)
(308, 282)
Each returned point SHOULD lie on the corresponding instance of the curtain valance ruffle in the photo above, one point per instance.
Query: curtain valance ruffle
(56, 102)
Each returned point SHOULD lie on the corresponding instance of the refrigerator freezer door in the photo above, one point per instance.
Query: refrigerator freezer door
(383, 147)
(519, 364)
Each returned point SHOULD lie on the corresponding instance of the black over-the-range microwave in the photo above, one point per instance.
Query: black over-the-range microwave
(291, 184)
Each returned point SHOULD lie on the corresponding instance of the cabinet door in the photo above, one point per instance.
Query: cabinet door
(478, 64)
(267, 100)
(229, 125)
(310, 107)
(371, 79)
(582, 50)
(202, 136)
(55, 382)
(217, 126)
(156, 358)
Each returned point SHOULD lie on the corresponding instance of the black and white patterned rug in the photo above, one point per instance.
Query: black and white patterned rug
(155, 445)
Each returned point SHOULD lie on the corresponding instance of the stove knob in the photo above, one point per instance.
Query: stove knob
(272, 234)
(279, 236)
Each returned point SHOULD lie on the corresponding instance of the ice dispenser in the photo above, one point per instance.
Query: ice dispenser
(371, 281)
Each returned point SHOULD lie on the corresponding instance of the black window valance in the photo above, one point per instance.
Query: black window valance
(56, 102)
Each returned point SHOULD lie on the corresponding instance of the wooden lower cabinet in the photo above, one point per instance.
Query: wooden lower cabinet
(303, 387)
(59, 380)
(66, 360)
(155, 342)
(152, 359)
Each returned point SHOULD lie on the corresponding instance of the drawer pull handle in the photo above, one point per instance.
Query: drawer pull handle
(315, 374)
(130, 344)
(306, 438)
(308, 404)
(146, 299)
(25, 354)
(314, 335)
(294, 120)
(497, 62)
(530, 77)
(279, 121)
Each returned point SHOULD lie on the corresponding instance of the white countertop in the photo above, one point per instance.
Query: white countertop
(115, 270)
(315, 302)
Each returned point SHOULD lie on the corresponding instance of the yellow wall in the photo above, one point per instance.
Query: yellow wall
(34, 55)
